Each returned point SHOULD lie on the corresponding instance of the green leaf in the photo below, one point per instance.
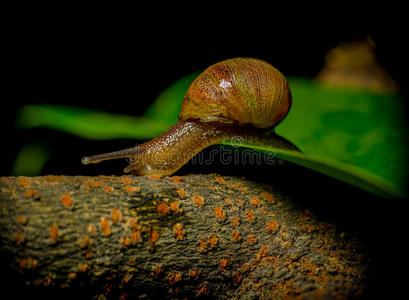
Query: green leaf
(167, 105)
(31, 159)
(353, 135)
(347, 173)
(89, 124)
(358, 128)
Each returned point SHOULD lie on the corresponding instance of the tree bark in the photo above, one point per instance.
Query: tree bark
(174, 237)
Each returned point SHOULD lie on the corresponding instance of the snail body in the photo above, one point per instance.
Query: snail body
(240, 97)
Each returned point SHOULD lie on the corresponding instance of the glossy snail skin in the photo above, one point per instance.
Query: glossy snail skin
(241, 97)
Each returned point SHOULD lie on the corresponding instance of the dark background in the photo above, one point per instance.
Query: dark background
(120, 64)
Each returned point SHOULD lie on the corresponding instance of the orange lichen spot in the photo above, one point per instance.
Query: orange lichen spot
(47, 281)
(194, 274)
(326, 242)
(83, 242)
(285, 234)
(286, 244)
(261, 253)
(228, 201)
(154, 236)
(179, 231)
(181, 193)
(32, 193)
(306, 214)
(72, 275)
(116, 216)
(251, 239)
(157, 271)
(91, 229)
(125, 241)
(245, 267)
(127, 278)
(202, 247)
(23, 181)
(54, 233)
(236, 237)
(324, 226)
(132, 189)
(235, 222)
(220, 213)
(107, 290)
(308, 228)
(202, 291)
(263, 211)
(54, 178)
(235, 185)
(127, 180)
(66, 200)
(176, 179)
(94, 183)
(308, 267)
(239, 202)
(19, 238)
(255, 201)
(22, 220)
(268, 197)
(155, 176)
(109, 189)
(133, 222)
(163, 208)
(243, 189)
(175, 207)
(198, 200)
(105, 226)
(213, 241)
(136, 237)
(234, 209)
(223, 264)
(84, 268)
(27, 264)
(272, 226)
(220, 180)
(250, 216)
(88, 255)
(174, 277)
(236, 278)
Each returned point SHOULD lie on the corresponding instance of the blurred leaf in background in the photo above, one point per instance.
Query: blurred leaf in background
(355, 132)
(167, 105)
(31, 159)
(89, 124)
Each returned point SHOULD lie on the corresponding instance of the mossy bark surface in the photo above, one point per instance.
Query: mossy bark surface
(173, 237)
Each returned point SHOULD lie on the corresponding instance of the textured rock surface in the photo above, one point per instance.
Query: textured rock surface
(190, 236)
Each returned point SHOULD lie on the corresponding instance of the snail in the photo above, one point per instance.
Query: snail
(239, 97)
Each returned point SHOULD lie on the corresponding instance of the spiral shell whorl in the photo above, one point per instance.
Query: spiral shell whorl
(246, 91)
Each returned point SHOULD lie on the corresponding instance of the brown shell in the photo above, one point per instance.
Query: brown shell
(246, 91)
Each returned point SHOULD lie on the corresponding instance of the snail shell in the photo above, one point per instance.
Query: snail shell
(245, 91)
